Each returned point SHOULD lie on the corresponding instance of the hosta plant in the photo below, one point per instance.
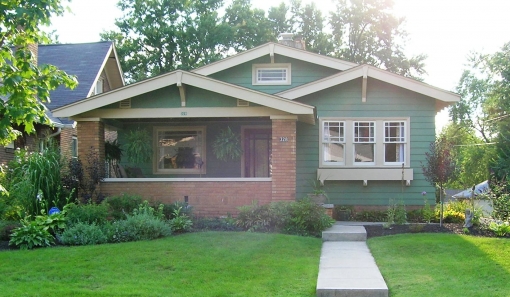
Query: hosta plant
(31, 234)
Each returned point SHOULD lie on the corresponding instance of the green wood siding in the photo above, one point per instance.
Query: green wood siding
(214, 168)
(301, 73)
(169, 97)
(383, 100)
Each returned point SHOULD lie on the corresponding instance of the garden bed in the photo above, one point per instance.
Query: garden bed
(454, 228)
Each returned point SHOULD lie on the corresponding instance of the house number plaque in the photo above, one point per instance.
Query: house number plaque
(184, 113)
(284, 139)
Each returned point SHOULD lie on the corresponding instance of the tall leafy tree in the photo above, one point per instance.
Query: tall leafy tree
(25, 86)
(485, 104)
(366, 32)
(249, 26)
(159, 36)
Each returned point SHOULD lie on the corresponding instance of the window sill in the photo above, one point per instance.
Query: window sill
(365, 174)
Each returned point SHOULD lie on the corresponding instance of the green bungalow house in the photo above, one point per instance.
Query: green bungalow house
(300, 117)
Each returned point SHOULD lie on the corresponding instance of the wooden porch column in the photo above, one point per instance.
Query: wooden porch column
(90, 138)
(283, 159)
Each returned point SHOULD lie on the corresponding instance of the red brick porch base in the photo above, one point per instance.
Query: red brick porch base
(208, 198)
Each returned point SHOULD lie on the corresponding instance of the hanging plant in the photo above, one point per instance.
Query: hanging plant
(112, 151)
(139, 146)
(227, 145)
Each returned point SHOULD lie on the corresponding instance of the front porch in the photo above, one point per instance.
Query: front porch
(219, 187)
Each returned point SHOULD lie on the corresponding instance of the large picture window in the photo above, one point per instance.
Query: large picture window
(357, 142)
(180, 150)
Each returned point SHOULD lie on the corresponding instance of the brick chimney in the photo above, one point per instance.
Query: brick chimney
(34, 48)
(289, 39)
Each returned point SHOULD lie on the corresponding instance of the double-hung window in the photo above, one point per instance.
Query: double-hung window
(180, 150)
(364, 143)
(394, 142)
(271, 74)
(333, 142)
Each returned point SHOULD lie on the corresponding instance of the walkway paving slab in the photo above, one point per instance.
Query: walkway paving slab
(347, 268)
(345, 233)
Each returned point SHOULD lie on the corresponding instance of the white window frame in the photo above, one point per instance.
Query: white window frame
(370, 139)
(74, 144)
(98, 88)
(256, 68)
(402, 140)
(327, 139)
(202, 170)
(379, 143)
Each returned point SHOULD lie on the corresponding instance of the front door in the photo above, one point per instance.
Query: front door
(257, 152)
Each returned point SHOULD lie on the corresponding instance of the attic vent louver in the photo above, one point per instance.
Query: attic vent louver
(241, 102)
(125, 103)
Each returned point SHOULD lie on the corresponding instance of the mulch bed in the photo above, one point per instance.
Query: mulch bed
(452, 228)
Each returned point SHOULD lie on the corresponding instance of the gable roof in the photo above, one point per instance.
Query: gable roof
(86, 61)
(374, 72)
(270, 49)
(179, 77)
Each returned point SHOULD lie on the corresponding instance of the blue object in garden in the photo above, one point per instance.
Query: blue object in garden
(53, 210)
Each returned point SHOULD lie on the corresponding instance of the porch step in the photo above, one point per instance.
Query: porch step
(345, 233)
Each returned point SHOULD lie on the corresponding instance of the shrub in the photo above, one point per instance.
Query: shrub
(30, 235)
(371, 216)
(500, 229)
(123, 204)
(36, 176)
(88, 213)
(454, 212)
(396, 213)
(255, 218)
(300, 218)
(307, 219)
(217, 224)
(169, 209)
(145, 223)
(500, 199)
(181, 222)
(82, 233)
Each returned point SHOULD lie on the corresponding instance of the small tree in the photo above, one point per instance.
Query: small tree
(439, 167)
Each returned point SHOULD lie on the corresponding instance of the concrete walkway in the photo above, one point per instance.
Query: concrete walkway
(347, 268)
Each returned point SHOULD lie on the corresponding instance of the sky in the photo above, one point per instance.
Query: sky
(447, 31)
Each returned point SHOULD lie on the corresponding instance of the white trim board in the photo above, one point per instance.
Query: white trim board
(186, 78)
(370, 71)
(270, 49)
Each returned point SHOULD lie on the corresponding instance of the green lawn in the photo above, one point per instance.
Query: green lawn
(443, 265)
(195, 264)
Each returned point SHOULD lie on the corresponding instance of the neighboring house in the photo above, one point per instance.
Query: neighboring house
(97, 70)
(301, 116)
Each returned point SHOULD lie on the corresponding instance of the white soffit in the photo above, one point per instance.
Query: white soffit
(274, 48)
(379, 74)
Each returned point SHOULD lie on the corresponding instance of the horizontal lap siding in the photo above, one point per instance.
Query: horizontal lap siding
(209, 199)
(301, 73)
(383, 100)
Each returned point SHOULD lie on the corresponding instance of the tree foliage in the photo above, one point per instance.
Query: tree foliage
(439, 168)
(154, 37)
(25, 85)
(470, 154)
(159, 36)
(485, 104)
